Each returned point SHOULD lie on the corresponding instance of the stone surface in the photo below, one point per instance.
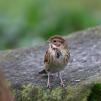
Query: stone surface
(21, 66)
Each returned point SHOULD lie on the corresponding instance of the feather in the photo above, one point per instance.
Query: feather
(43, 72)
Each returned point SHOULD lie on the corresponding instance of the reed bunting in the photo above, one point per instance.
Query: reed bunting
(56, 58)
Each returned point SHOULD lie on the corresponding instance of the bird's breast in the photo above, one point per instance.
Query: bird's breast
(57, 63)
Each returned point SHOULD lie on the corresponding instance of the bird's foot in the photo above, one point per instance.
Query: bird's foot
(48, 85)
(62, 84)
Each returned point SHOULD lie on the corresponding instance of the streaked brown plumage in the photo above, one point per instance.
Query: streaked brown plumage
(56, 57)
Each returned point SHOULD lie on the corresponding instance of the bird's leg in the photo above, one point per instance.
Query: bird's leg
(61, 81)
(48, 81)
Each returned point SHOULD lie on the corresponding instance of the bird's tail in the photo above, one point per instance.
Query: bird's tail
(43, 72)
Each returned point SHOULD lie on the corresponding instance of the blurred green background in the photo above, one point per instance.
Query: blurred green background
(25, 23)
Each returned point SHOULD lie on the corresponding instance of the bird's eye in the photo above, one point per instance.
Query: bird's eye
(54, 40)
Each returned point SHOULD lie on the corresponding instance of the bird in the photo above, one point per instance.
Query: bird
(56, 57)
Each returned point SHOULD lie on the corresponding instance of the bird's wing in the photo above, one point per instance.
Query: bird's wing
(67, 56)
(46, 61)
(47, 57)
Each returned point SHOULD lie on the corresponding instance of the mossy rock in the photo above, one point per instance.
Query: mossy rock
(36, 93)
(21, 67)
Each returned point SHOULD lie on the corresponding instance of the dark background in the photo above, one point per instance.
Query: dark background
(25, 23)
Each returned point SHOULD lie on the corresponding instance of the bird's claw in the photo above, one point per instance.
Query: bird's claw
(62, 84)
(48, 86)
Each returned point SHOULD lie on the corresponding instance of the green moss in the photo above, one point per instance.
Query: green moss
(37, 93)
